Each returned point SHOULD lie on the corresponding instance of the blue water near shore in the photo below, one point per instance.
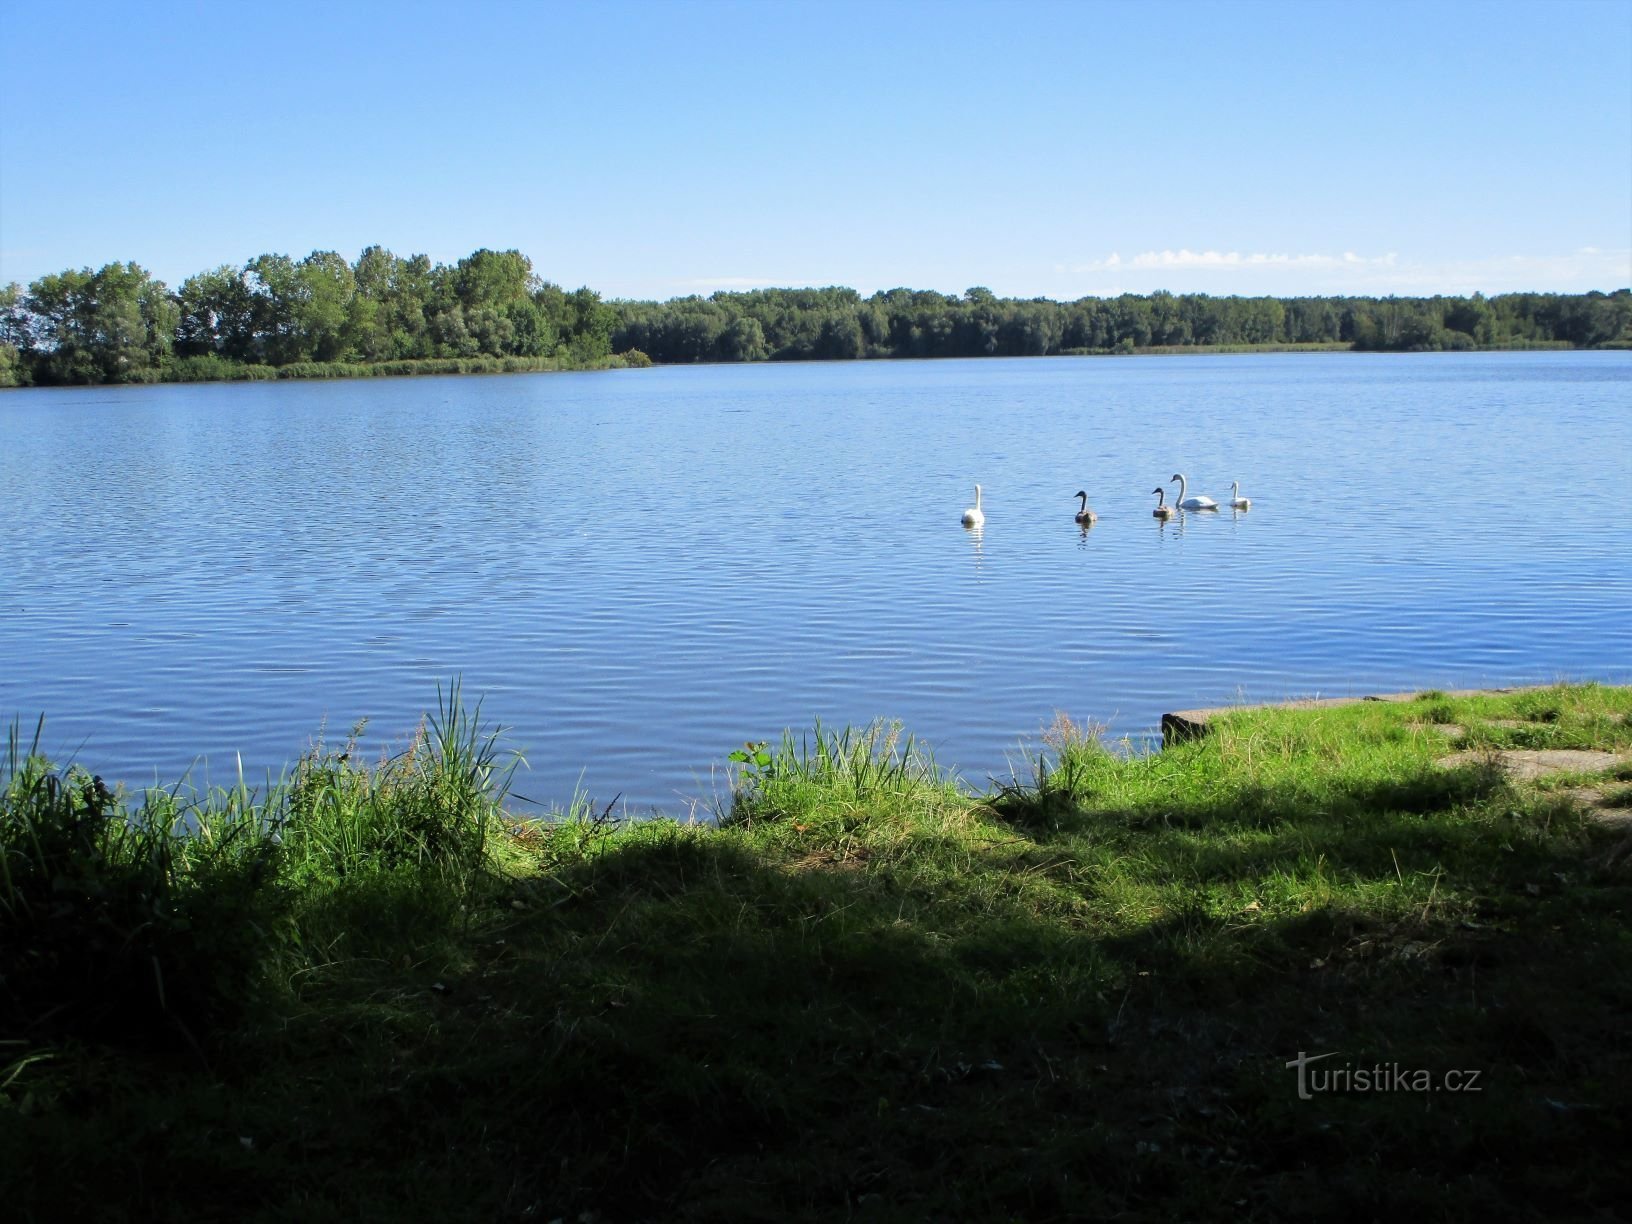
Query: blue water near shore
(638, 570)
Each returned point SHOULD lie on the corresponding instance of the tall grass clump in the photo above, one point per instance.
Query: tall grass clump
(1064, 774)
(851, 775)
(432, 807)
(125, 924)
(162, 916)
(389, 856)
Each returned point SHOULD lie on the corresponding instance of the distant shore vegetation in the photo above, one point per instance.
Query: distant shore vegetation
(325, 317)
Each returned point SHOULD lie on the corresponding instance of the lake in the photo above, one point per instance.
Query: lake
(638, 570)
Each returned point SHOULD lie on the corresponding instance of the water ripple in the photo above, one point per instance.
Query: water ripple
(639, 570)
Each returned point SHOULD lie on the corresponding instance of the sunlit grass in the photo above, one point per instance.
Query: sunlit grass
(867, 990)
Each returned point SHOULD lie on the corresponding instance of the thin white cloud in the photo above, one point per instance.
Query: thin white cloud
(725, 282)
(671, 287)
(1225, 260)
(1347, 272)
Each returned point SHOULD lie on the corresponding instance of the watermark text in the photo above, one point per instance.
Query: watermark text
(1316, 1076)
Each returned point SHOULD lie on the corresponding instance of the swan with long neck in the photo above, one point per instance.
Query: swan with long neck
(1163, 510)
(1237, 502)
(1085, 516)
(972, 517)
(1198, 502)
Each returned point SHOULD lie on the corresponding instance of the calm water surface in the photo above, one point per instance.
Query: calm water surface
(638, 570)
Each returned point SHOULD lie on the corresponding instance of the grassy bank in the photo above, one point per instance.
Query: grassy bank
(865, 993)
(211, 368)
(1168, 350)
(217, 369)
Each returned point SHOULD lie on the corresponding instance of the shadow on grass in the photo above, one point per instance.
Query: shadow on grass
(680, 1024)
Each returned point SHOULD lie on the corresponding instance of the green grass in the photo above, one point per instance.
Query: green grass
(1309, 346)
(867, 992)
(213, 368)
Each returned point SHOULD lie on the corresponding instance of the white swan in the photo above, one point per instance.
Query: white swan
(1198, 502)
(972, 517)
(1237, 502)
(1163, 510)
(1085, 516)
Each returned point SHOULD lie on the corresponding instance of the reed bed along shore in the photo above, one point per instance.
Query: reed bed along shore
(1300, 967)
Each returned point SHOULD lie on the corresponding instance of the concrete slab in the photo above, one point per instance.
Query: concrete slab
(1600, 807)
(1537, 762)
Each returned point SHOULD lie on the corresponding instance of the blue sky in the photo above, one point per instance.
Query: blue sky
(657, 149)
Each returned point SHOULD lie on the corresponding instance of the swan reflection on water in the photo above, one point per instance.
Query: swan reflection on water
(974, 522)
(977, 533)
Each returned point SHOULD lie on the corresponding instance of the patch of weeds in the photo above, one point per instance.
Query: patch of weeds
(1535, 735)
(1544, 706)
(432, 806)
(1439, 710)
(1438, 790)
(1618, 797)
(1061, 780)
(122, 924)
(831, 773)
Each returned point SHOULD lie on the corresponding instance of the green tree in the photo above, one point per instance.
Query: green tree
(216, 315)
(114, 325)
(840, 338)
(1473, 317)
(450, 334)
(276, 290)
(743, 340)
(592, 320)
(60, 328)
(13, 336)
(389, 312)
(323, 306)
(495, 280)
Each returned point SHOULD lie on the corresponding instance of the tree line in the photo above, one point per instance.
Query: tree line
(805, 324)
(275, 313)
(324, 315)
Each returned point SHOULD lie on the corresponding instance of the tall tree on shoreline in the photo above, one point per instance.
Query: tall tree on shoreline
(11, 331)
(117, 324)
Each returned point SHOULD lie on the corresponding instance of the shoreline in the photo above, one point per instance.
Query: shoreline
(632, 359)
(1106, 989)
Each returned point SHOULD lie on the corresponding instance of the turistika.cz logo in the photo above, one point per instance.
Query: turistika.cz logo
(1377, 1077)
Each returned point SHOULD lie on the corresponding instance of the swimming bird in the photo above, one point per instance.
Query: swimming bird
(1163, 510)
(972, 517)
(1085, 516)
(1237, 502)
(1198, 502)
